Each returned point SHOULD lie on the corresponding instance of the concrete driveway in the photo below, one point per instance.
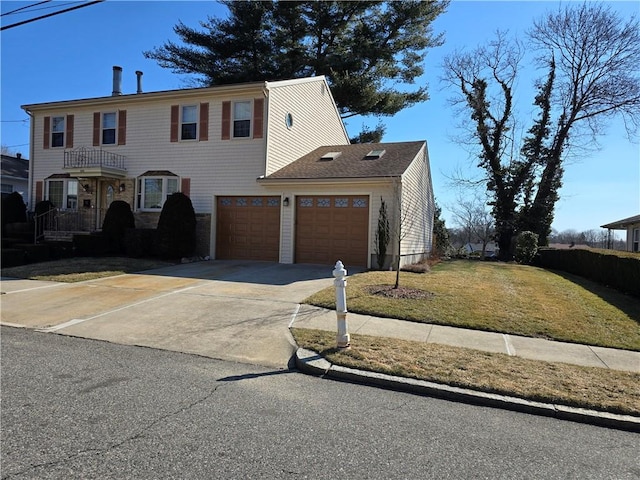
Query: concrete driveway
(231, 310)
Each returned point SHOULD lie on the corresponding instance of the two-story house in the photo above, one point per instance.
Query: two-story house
(267, 165)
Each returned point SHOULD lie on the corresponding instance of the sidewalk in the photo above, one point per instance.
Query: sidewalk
(531, 348)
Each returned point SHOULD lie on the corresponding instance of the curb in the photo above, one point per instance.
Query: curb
(312, 363)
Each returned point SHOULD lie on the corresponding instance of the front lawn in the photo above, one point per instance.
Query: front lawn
(78, 269)
(499, 297)
(585, 387)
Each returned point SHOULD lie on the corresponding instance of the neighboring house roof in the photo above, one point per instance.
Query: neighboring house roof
(351, 161)
(622, 224)
(15, 167)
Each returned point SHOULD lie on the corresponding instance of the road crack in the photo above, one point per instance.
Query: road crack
(114, 446)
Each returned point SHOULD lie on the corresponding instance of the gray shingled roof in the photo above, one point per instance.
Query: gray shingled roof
(622, 224)
(15, 167)
(352, 162)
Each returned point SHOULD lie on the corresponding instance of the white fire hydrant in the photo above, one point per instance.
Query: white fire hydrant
(340, 283)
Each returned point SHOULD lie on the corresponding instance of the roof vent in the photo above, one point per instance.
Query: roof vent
(373, 154)
(330, 156)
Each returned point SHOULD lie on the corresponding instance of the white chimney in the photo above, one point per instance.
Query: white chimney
(117, 81)
(139, 77)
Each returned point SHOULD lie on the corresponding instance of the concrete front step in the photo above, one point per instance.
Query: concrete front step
(52, 236)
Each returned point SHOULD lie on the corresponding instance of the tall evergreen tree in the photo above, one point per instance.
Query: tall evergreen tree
(371, 52)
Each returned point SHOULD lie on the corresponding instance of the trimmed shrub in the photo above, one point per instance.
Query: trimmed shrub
(22, 230)
(526, 247)
(92, 245)
(138, 242)
(176, 232)
(13, 209)
(13, 257)
(44, 206)
(35, 253)
(603, 266)
(118, 219)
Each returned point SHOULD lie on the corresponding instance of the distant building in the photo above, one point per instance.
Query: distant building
(632, 226)
(15, 176)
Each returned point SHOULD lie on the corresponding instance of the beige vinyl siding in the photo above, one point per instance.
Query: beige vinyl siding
(316, 121)
(215, 167)
(417, 201)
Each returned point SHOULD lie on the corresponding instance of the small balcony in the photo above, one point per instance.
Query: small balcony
(91, 162)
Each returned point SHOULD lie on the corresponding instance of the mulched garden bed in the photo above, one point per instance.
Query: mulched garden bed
(401, 292)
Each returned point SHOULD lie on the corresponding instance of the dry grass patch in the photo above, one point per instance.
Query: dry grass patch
(79, 269)
(499, 297)
(585, 387)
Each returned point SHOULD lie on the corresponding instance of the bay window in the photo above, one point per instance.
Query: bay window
(153, 191)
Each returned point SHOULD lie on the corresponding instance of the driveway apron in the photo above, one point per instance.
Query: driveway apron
(231, 310)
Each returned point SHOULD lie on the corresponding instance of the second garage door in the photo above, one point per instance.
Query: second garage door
(331, 228)
(248, 228)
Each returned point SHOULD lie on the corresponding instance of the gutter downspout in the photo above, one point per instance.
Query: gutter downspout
(30, 181)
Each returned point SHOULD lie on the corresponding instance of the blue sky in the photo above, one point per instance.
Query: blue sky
(71, 55)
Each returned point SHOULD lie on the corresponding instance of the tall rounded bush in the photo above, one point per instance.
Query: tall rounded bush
(44, 206)
(13, 209)
(526, 247)
(176, 233)
(117, 220)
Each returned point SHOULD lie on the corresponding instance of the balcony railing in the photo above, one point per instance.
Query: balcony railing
(84, 157)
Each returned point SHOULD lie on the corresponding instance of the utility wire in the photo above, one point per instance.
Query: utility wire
(24, 8)
(51, 14)
(49, 7)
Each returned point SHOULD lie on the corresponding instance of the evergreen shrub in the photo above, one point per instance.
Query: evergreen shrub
(118, 219)
(526, 247)
(176, 232)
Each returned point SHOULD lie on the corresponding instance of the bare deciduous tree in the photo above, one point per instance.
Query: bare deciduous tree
(472, 216)
(591, 56)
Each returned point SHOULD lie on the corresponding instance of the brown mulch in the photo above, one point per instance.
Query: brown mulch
(401, 292)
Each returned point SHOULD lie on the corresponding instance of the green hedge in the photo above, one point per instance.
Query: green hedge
(621, 272)
(13, 257)
(92, 245)
(139, 242)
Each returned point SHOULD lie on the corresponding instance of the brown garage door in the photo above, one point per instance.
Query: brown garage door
(331, 228)
(248, 228)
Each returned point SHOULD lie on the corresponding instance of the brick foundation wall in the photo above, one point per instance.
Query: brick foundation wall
(203, 228)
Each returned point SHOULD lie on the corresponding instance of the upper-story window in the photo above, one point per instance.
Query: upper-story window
(241, 119)
(57, 131)
(109, 128)
(189, 122)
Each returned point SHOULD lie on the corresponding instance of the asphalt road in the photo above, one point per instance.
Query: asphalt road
(77, 408)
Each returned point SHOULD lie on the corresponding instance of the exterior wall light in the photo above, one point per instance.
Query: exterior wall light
(285, 202)
(122, 187)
